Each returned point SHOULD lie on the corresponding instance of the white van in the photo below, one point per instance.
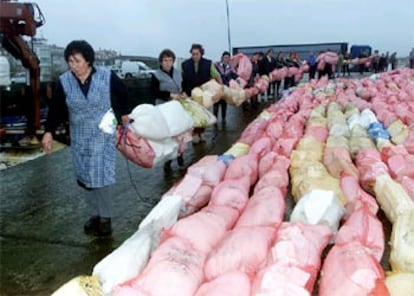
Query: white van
(129, 69)
(4, 71)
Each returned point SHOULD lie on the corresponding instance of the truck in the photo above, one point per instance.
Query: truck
(302, 50)
(4, 72)
(18, 20)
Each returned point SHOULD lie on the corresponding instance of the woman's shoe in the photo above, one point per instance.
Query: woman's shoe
(91, 225)
(98, 226)
(104, 227)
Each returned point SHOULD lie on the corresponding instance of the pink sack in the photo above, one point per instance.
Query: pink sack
(331, 57)
(232, 193)
(292, 71)
(234, 283)
(253, 131)
(320, 133)
(261, 147)
(370, 166)
(273, 161)
(227, 214)
(363, 226)
(175, 268)
(274, 130)
(265, 208)
(134, 147)
(209, 169)
(204, 229)
(200, 198)
(281, 279)
(350, 270)
(246, 165)
(243, 65)
(277, 178)
(355, 195)
(301, 245)
(237, 252)
(338, 160)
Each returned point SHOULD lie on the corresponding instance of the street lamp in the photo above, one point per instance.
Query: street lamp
(228, 25)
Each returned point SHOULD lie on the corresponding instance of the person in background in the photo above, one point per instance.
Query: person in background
(253, 77)
(393, 60)
(226, 73)
(288, 80)
(166, 85)
(362, 54)
(86, 92)
(312, 65)
(411, 58)
(376, 61)
(291, 61)
(269, 64)
(296, 63)
(280, 63)
(340, 63)
(381, 63)
(196, 71)
(345, 64)
(387, 61)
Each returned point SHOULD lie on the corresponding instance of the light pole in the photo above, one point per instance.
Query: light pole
(228, 25)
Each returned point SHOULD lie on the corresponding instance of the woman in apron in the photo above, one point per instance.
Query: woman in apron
(85, 93)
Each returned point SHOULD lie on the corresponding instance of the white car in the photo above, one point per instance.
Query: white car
(20, 77)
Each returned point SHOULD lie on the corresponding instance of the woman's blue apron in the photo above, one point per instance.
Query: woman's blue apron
(93, 151)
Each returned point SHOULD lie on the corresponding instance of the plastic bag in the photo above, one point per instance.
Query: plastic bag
(108, 123)
(133, 147)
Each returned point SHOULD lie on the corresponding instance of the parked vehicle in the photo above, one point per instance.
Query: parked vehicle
(4, 71)
(130, 69)
(20, 77)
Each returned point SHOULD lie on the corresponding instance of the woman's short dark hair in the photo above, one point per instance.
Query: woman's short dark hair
(166, 53)
(82, 47)
(197, 46)
(225, 53)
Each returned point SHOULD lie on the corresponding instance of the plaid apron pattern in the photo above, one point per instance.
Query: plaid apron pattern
(93, 151)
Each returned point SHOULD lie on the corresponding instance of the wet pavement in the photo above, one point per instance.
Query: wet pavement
(43, 211)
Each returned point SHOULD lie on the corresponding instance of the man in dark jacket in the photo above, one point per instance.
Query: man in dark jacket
(269, 64)
(227, 73)
(197, 71)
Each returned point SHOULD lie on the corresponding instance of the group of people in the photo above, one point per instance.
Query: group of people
(381, 63)
(265, 63)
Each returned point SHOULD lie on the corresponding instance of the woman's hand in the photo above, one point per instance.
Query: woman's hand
(174, 96)
(47, 142)
(125, 119)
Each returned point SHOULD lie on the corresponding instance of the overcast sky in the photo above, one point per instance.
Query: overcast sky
(145, 27)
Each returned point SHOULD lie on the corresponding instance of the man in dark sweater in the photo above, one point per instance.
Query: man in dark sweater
(197, 71)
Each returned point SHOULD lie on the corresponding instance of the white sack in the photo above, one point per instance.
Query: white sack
(149, 122)
(177, 119)
(126, 261)
(319, 207)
